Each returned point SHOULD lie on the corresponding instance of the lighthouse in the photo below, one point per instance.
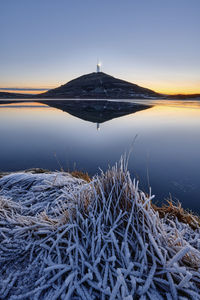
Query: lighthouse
(98, 67)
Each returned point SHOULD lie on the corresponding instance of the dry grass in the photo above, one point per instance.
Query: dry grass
(174, 210)
(81, 175)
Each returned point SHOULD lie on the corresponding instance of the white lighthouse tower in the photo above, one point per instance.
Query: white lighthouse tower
(98, 67)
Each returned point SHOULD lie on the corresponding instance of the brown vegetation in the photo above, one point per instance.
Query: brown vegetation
(81, 175)
(174, 210)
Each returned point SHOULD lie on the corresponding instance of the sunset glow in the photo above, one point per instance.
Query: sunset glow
(160, 87)
(151, 44)
(173, 88)
(31, 92)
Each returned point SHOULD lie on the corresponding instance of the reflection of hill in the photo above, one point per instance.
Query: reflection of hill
(96, 111)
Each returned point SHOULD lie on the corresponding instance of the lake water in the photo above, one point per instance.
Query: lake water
(166, 151)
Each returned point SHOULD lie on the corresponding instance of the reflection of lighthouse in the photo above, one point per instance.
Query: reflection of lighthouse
(98, 67)
(98, 126)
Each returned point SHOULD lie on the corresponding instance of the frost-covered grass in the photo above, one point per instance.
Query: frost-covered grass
(173, 210)
(64, 238)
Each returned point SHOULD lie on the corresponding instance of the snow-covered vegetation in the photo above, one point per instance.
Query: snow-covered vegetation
(64, 238)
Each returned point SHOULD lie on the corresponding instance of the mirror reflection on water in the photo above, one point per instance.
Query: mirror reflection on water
(93, 134)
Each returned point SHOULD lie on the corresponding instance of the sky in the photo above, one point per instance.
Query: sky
(153, 43)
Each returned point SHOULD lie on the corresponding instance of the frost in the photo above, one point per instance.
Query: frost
(63, 238)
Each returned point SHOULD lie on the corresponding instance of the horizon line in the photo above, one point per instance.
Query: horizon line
(24, 89)
(157, 90)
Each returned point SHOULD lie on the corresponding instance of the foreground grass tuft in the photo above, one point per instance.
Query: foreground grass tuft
(67, 238)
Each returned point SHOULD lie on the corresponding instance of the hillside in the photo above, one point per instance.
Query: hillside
(99, 86)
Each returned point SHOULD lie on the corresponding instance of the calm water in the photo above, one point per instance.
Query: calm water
(166, 150)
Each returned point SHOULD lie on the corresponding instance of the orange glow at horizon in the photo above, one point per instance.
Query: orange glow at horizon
(24, 104)
(176, 90)
(31, 92)
(172, 88)
(164, 87)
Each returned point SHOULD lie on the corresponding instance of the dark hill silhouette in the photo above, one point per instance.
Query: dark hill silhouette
(99, 86)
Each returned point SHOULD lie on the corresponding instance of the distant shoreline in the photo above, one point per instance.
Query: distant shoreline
(99, 85)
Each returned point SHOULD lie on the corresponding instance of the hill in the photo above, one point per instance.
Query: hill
(99, 86)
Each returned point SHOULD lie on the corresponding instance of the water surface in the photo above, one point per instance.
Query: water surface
(166, 152)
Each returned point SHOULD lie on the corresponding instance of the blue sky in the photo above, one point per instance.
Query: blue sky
(154, 43)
